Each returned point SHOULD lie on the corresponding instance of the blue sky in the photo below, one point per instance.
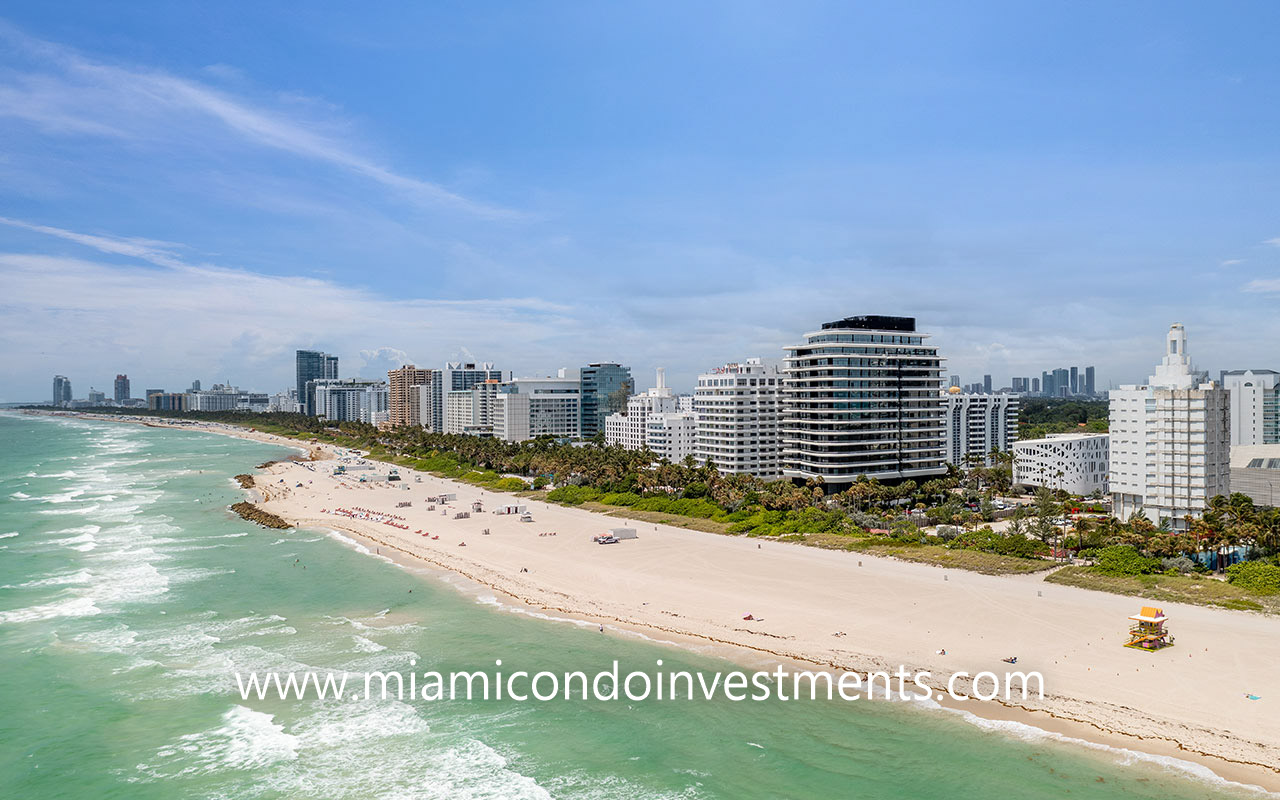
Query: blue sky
(195, 190)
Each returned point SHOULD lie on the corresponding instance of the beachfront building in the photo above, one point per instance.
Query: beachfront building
(656, 420)
(604, 390)
(351, 400)
(737, 411)
(526, 408)
(470, 411)
(455, 376)
(313, 365)
(862, 396)
(403, 395)
(61, 390)
(286, 402)
(1255, 471)
(1170, 440)
(122, 393)
(977, 424)
(219, 398)
(1074, 462)
(168, 401)
(1255, 405)
(95, 397)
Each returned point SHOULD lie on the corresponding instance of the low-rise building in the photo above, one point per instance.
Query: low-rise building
(1255, 471)
(1073, 462)
(526, 408)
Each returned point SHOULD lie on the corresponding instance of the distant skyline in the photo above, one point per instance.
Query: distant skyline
(198, 193)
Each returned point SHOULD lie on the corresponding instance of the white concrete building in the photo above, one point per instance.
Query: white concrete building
(220, 398)
(527, 408)
(1255, 405)
(470, 411)
(654, 420)
(863, 397)
(352, 400)
(979, 423)
(1170, 440)
(436, 384)
(1074, 462)
(1255, 471)
(738, 410)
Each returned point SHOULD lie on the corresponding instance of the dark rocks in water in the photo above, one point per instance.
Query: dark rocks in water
(264, 518)
(245, 481)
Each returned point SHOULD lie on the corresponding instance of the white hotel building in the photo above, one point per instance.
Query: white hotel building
(979, 423)
(1255, 405)
(738, 409)
(1170, 440)
(527, 408)
(1074, 462)
(655, 420)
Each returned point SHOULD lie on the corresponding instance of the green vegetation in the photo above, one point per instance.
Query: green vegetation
(1255, 576)
(1195, 589)
(1040, 416)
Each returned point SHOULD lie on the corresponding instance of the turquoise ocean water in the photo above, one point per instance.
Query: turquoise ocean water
(130, 596)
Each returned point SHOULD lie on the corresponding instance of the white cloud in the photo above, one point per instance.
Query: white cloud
(75, 95)
(157, 252)
(1263, 286)
(1273, 242)
(1230, 262)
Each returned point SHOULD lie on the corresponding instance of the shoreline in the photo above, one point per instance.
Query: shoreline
(1082, 720)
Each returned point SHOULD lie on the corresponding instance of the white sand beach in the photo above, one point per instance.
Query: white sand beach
(1188, 701)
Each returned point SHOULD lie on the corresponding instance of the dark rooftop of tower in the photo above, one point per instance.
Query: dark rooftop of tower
(874, 322)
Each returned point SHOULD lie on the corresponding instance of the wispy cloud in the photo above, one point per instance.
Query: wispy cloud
(72, 94)
(157, 252)
(1273, 242)
(1230, 262)
(1263, 286)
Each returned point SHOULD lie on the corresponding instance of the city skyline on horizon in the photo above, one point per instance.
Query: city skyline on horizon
(205, 202)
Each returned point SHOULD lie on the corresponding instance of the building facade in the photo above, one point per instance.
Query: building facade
(1255, 405)
(1074, 462)
(1255, 471)
(219, 398)
(404, 398)
(526, 408)
(863, 397)
(351, 400)
(122, 393)
(604, 389)
(1170, 441)
(737, 407)
(976, 424)
(168, 401)
(313, 365)
(659, 420)
(61, 390)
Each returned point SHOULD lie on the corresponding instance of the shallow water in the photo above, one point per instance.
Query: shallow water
(131, 597)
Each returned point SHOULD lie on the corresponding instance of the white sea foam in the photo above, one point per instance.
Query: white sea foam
(8, 535)
(71, 607)
(245, 740)
(63, 579)
(20, 496)
(364, 645)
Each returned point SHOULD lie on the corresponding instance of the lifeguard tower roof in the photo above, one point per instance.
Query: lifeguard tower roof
(1149, 614)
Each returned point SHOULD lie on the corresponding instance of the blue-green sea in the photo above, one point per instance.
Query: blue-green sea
(130, 596)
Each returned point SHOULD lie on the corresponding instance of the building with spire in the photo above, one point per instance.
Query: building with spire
(654, 420)
(1170, 449)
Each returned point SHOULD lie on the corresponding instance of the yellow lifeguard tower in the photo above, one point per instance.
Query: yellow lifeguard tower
(1148, 631)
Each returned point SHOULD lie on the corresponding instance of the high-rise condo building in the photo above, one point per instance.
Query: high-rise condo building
(986, 384)
(863, 397)
(738, 408)
(313, 365)
(1255, 405)
(1035, 386)
(605, 389)
(527, 408)
(455, 376)
(977, 424)
(61, 390)
(470, 411)
(351, 400)
(1075, 380)
(404, 408)
(1089, 388)
(96, 398)
(122, 388)
(1170, 441)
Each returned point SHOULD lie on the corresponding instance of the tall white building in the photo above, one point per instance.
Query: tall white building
(526, 408)
(737, 409)
(1255, 405)
(655, 420)
(863, 397)
(979, 423)
(1074, 462)
(352, 400)
(470, 411)
(434, 385)
(1170, 440)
